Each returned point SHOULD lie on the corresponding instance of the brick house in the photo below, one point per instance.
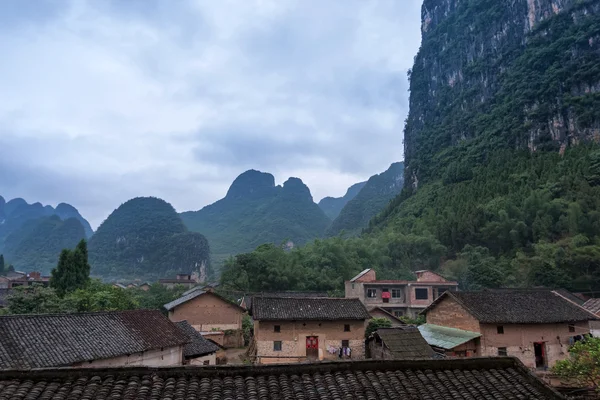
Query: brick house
(246, 301)
(536, 326)
(97, 340)
(299, 329)
(199, 350)
(593, 306)
(15, 279)
(207, 311)
(186, 280)
(397, 297)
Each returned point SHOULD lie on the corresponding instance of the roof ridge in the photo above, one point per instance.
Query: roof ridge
(78, 313)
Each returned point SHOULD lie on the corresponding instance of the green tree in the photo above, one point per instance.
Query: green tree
(375, 324)
(72, 271)
(35, 300)
(1, 264)
(583, 368)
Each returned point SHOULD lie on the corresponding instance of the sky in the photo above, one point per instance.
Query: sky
(106, 100)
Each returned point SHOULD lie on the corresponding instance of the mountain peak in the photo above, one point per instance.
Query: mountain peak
(295, 187)
(251, 183)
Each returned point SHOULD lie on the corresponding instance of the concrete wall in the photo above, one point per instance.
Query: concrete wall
(208, 312)
(293, 337)
(451, 314)
(354, 290)
(519, 340)
(211, 358)
(154, 358)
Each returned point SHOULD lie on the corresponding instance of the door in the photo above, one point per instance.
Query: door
(539, 350)
(312, 347)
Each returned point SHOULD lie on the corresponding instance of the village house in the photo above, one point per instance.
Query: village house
(246, 301)
(499, 379)
(15, 279)
(398, 344)
(288, 330)
(536, 326)
(593, 306)
(207, 311)
(186, 280)
(397, 297)
(199, 350)
(102, 339)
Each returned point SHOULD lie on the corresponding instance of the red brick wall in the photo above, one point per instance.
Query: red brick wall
(428, 276)
(451, 314)
(368, 277)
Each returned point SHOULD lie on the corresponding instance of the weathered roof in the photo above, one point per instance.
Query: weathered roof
(404, 343)
(248, 298)
(192, 294)
(286, 309)
(593, 305)
(496, 378)
(198, 345)
(50, 340)
(570, 296)
(517, 306)
(444, 337)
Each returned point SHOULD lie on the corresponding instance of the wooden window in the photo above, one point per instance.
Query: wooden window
(571, 328)
(206, 362)
(277, 345)
(353, 286)
(277, 328)
(398, 313)
(345, 343)
(346, 328)
(371, 293)
(502, 351)
(500, 330)
(421, 294)
(396, 293)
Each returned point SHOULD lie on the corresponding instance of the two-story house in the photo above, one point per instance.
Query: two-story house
(300, 329)
(397, 297)
(535, 325)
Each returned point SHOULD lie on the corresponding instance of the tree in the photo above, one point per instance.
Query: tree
(1, 263)
(375, 324)
(34, 300)
(583, 368)
(72, 271)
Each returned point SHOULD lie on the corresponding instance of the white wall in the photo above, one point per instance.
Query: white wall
(154, 358)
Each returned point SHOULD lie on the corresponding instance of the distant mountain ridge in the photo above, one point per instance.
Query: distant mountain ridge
(32, 235)
(332, 206)
(256, 211)
(372, 199)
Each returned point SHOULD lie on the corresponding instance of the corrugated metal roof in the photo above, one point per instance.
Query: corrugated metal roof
(444, 337)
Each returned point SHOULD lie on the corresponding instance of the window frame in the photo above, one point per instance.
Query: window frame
(571, 328)
(346, 327)
(277, 328)
(394, 291)
(502, 352)
(345, 343)
(420, 290)
(369, 291)
(277, 343)
(500, 329)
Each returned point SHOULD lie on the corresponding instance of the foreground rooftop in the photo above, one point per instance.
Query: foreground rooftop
(471, 379)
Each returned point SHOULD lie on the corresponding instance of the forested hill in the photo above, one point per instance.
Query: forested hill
(502, 165)
(255, 211)
(372, 198)
(332, 206)
(33, 235)
(145, 238)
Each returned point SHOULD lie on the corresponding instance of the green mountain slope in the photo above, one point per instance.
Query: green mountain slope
(255, 211)
(504, 98)
(145, 238)
(371, 199)
(332, 206)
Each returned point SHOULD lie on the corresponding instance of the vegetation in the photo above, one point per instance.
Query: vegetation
(73, 270)
(583, 368)
(372, 198)
(376, 323)
(145, 238)
(255, 211)
(332, 206)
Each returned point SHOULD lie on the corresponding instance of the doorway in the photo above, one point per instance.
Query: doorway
(312, 347)
(539, 349)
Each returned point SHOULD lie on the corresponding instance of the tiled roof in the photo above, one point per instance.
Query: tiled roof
(198, 345)
(570, 296)
(444, 337)
(51, 340)
(192, 294)
(248, 299)
(593, 305)
(405, 343)
(470, 379)
(285, 308)
(517, 306)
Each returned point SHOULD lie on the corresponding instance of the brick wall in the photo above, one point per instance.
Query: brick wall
(293, 337)
(451, 314)
(368, 277)
(208, 312)
(428, 276)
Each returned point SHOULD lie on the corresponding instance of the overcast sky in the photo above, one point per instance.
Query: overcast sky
(105, 100)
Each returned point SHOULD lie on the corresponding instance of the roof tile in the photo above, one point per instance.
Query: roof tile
(285, 308)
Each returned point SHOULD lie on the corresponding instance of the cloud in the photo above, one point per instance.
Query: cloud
(104, 101)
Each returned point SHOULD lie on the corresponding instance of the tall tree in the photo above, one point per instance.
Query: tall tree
(72, 271)
(1, 263)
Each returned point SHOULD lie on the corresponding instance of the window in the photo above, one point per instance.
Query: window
(206, 362)
(398, 313)
(502, 351)
(371, 293)
(396, 293)
(571, 328)
(277, 328)
(353, 286)
(277, 345)
(500, 330)
(421, 294)
(346, 328)
(345, 343)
